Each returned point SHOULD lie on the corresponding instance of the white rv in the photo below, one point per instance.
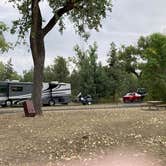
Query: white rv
(14, 93)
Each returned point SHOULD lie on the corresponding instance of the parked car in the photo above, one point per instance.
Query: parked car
(142, 92)
(85, 100)
(132, 97)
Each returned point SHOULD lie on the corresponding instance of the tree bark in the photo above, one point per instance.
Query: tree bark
(38, 54)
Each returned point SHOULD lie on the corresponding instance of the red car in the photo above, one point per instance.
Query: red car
(132, 97)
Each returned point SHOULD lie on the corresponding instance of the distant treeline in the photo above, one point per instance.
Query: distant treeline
(127, 68)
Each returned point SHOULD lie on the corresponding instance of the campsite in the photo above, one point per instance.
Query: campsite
(81, 136)
(82, 83)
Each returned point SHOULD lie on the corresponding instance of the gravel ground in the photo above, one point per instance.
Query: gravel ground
(83, 137)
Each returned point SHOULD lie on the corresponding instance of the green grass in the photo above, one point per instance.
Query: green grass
(70, 134)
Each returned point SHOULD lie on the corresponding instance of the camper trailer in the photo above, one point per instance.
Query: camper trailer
(14, 93)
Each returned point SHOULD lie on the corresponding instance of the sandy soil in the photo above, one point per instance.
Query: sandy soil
(84, 137)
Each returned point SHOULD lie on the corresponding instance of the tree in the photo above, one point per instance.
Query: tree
(84, 14)
(86, 62)
(129, 83)
(75, 82)
(153, 51)
(4, 46)
(27, 75)
(129, 57)
(48, 74)
(102, 82)
(149, 57)
(89, 76)
(114, 70)
(58, 71)
(2, 71)
(7, 72)
(9, 69)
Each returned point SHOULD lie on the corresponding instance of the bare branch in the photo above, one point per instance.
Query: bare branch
(67, 7)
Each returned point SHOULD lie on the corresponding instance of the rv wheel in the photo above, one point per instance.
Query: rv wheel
(51, 102)
(8, 103)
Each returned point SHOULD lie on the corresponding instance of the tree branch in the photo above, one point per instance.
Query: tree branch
(67, 7)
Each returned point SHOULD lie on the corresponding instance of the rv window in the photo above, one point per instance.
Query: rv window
(17, 88)
(3, 89)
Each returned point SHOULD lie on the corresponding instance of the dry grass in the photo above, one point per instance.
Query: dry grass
(71, 135)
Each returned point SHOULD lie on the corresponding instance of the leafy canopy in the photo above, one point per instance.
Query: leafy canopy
(7, 72)
(58, 71)
(4, 46)
(153, 50)
(84, 14)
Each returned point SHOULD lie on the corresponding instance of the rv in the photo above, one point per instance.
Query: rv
(14, 93)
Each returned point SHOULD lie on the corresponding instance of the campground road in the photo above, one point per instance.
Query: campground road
(73, 107)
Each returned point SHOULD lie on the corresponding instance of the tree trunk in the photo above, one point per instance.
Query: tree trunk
(114, 96)
(37, 46)
(38, 54)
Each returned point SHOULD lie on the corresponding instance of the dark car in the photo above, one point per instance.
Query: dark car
(142, 92)
(84, 99)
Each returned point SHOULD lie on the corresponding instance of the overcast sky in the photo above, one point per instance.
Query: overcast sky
(128, 21)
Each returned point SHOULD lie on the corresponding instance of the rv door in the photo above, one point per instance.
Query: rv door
(3, 93)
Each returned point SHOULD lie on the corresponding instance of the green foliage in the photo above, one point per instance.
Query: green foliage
(114, 70)
(84, 14)
(58, 71)
(27, 75)
(129, 57)
(49, 74)
(23, 24)
(129, 83)
(75, 82)
(7, 72)
(4, 46)
(2, 71)
(104, 83)
(154, 71)
(86, 62)
(149, 58)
